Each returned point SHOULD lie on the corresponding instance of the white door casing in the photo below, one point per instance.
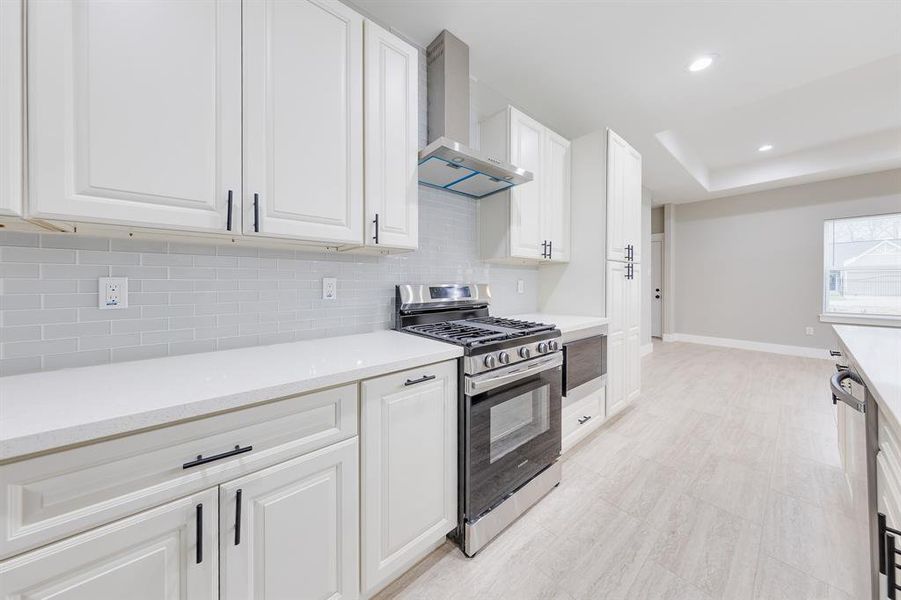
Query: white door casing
(391, 101)
(303, 120)
(134, 112)
(299, 529)
(152, 555)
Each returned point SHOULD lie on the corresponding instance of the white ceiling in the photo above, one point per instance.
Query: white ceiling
(820, 80)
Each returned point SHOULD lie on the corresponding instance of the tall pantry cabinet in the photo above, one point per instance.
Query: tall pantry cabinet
(623, 272)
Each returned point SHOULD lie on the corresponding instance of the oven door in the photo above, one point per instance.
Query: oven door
(512, 429)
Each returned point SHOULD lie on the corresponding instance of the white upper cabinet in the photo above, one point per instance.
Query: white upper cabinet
(11, 107)
(292, 530)
(530, 222)
(623, 200)
(526, 152)
(134, 112)
(408, 428)
(166, 553)
(555, 222)
(303, 120)
(391, 99)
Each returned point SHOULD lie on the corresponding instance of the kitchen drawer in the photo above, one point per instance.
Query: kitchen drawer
(55, 495)
(581, 417)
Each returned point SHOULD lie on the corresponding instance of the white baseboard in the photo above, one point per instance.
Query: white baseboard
(802, 351)
(647, 349)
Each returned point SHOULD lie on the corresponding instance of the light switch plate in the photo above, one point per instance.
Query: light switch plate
(112, 293)
(329, 288)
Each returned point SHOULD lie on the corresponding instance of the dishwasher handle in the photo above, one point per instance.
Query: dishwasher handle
(839, 393)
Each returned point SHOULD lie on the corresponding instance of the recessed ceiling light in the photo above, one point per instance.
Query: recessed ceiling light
(701, 63)
(765, 148)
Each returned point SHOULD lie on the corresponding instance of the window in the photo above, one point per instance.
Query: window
(862, 274)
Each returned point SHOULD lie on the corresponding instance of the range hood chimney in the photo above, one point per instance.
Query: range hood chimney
(448, 162)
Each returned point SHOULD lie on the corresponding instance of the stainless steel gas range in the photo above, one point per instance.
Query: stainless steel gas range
(510, 403)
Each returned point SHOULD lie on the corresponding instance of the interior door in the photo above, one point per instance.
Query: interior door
(11, 107)
(134, 112)
(527, 152)
(292, 530)
(303, 120)
(392, 120)
(657, 288)
(555, 199)
(166, 553)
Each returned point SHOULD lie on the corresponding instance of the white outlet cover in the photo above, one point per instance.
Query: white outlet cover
(329, 288)
(112, 293)
(809, 331)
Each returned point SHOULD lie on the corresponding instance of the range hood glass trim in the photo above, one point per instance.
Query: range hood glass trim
(463, 157)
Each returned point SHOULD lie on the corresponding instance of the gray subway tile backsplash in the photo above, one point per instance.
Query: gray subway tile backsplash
(186, 297)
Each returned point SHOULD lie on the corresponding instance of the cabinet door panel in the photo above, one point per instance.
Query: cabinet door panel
(391, 138)
(616, 198)
(632, 360)
(134, 111)
(409, 494)
(299, 529)
(526, 152)
(555, 199)
(149, 556)
(632, 200)
(11, 107)
(303, 120)
(616, 336)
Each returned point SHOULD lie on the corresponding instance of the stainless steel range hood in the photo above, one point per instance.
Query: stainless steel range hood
(448, 162)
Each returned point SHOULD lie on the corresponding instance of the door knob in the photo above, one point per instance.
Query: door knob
(657, 296)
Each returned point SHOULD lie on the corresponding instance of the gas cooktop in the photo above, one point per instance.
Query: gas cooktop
(480, 330)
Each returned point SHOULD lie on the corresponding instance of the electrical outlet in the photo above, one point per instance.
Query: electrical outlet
(808, 330)
(329, 288)
(112, 293)
(520, 286)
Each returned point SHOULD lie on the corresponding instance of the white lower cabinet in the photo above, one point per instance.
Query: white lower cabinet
(623, 336)
(291, 531)
(166, 553)
(408, 469)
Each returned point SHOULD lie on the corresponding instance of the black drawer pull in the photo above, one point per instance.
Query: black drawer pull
(422, 379)
(256, 213)
(199, 529)
(228, 218)
(201, 460)
(237, 517)
(584, 419)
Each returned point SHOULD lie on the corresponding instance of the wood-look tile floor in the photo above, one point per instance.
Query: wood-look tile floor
(722, 481)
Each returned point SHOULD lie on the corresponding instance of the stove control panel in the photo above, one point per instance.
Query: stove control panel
(488, 361)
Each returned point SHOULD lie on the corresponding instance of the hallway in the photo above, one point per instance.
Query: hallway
(722, 481)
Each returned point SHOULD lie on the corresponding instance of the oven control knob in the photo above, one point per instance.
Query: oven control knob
(525, 352)
(553, 345)
(504, 358)
(490, 362)
(542, 348)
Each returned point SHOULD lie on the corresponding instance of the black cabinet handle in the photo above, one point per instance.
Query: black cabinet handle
(375, 222)
(199, 529)
(584, 419)
(550, 250)
(228, 215)
(237, 517)
(422, 379)
(544, 249)
(834, 353)
(256, 213)
(202, 460)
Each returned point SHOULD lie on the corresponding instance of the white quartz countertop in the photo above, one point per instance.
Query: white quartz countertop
(568, 324)
(43, 411)
(876, 351)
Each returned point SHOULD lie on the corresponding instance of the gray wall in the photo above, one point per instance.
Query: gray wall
(657, 219)
(191, 297)
(750, 267)
(646, 266)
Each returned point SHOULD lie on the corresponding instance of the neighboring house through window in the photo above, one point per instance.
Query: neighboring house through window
(863, 266)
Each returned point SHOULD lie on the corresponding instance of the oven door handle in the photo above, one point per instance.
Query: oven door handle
(490, 381)
(839, 393)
